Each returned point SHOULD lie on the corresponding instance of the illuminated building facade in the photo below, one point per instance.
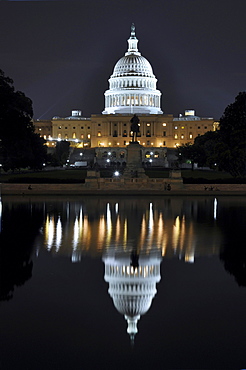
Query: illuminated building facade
(132, 90)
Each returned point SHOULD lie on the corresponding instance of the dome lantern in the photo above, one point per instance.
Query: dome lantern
(132, 43)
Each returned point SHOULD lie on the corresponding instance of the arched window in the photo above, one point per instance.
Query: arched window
(147, 154)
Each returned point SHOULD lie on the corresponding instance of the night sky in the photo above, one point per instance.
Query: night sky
(61, 54)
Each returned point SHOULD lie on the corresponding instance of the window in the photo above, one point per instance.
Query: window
(124, 133)
(115, 134)
(99, 133)
(74, 128)
(59, 127)
(205, 127)
(148, 133)
(198, 127)
(82, 136)
(175, 127)
(164, 143)
(164, 124)
(147, 155)
(164, 133)
(148, 124)
(74, 135)
(88, 127)
(82, 127)
(156, 155)
(190, 135)
(88, 136)
(99, 124)
(65, 127)
(182, 136)
(175, 136)
(122, 154)
(182, 127)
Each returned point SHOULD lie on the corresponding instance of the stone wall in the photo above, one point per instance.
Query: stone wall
(121, 186)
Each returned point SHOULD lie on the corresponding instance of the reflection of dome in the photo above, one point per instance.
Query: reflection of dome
(132, 287)
(132, 86)
(132, 306)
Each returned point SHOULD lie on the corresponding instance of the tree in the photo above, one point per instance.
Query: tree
(208, 143)
(19, 145)
(232, 146)
(61, 153)
(224, 149)
(191, 152)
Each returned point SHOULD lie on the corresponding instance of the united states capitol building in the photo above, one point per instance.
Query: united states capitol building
(132, 90)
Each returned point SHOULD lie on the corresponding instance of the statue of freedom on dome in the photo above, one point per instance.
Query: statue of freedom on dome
(134, 127)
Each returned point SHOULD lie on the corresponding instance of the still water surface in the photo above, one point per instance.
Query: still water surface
(77, 274)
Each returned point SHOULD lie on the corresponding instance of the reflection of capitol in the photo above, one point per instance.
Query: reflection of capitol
(173, 226)
(132, 282)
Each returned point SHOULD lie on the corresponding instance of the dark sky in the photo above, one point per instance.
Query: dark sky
(61, 54)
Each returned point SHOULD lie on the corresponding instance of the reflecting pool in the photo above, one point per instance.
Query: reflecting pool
(123, 282)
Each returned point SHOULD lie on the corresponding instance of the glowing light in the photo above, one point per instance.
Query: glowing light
(50, 229)
(75, 233)
(116, 173)
(109, 224)
(151, 216)
(215, 208)
(58, 234)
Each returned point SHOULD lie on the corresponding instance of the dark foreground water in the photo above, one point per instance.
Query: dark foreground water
(56, 311)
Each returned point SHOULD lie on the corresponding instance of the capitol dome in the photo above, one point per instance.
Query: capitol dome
(132, 85)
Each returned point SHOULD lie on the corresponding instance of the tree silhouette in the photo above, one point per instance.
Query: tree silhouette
(19, 145)
(16, 247)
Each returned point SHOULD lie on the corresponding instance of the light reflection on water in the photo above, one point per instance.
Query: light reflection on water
(154, 255)
(166, 224)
